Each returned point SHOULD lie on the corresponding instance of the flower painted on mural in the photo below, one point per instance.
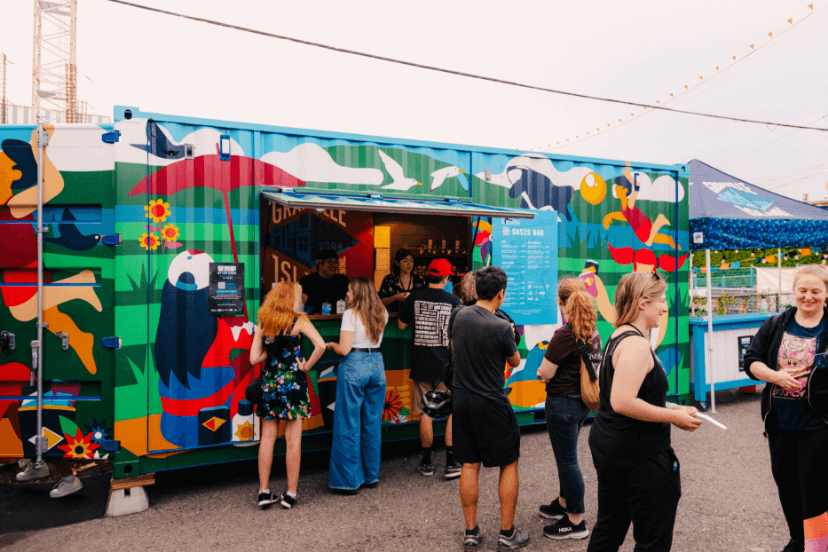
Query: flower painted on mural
(98, 431)
(149, 242)
(158, 210)
(170, 232)
(79, 446)
(392, 407)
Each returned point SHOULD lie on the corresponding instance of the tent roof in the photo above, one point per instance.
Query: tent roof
(733, 214)
(715, 194)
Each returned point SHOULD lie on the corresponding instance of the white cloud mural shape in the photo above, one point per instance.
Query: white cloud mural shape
(311, 163)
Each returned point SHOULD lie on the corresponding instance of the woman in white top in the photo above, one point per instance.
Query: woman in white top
(360, 391)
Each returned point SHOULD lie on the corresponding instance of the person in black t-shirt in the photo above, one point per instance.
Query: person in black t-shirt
(429, 309)
(485, 427)
(325, 286)
(564, 409)
(788, 352)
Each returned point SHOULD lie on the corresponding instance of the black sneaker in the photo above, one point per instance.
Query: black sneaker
(453, 471)
(564, 529)
(425, 469)
(471, 541)
(553, 510)
(287, 502)
(794, 546)
(519, 539)
(266, 499)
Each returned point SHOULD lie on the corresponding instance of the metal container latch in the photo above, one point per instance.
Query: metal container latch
(64, 340)
(6, 341)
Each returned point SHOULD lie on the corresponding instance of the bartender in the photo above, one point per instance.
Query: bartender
(323, 288)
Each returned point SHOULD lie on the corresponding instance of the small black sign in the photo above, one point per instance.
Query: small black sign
(226, 289)
(744, 344)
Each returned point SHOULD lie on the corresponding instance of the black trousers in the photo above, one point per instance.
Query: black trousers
(646, 496)
(798, 464)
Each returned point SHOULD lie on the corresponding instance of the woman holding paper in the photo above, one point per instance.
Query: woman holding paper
(638, 473)
(787, 352)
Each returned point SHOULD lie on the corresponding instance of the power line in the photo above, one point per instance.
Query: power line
(797, 180)
(816, 169)
(588, 136)
(459, 73)
(792, 133)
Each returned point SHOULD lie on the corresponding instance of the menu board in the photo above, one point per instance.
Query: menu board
(226, 289)
(527, 249)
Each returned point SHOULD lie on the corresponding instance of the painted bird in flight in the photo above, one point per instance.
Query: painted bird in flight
(396, 172)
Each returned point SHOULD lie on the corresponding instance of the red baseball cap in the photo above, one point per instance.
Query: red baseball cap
(439, 267)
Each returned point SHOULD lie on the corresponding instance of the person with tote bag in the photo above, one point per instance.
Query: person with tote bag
(561, 371)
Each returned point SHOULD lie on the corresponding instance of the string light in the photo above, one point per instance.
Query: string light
(753, 49)
(457, 73)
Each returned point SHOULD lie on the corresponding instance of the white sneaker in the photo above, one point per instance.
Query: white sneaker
(23, 462)
(31, 472)
(67, 486)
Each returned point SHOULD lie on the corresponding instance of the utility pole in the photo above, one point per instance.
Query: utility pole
(54, 69)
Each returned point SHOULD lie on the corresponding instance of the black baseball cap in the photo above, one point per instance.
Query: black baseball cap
(327, 254)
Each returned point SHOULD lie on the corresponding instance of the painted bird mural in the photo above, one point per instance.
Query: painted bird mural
(441, 175)
(538, 191)
(395, 171)
(183, 338)
(159, 144)
(70, 237)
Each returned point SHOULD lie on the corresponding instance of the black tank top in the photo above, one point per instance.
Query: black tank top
(619, 442)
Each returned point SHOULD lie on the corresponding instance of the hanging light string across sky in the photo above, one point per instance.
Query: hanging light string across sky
(461, 73)
(585, 135)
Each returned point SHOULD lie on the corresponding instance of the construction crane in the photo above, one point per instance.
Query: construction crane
(54, 69)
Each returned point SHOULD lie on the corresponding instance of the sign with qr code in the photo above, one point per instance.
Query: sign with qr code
(226, 289)
(744, 345)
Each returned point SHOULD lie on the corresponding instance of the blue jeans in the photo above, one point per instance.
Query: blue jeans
(360, 397)
(565, 416)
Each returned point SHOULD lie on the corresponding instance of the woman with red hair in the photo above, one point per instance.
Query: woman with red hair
(278, 341)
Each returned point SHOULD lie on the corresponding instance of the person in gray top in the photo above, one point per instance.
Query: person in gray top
(485, 427)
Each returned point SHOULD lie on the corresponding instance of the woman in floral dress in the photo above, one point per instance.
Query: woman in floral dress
(277, 343)
(395, 287)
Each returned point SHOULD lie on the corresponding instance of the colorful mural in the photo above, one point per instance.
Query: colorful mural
(174, 389)
(77, 285)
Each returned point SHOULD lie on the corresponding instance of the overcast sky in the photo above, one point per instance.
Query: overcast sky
(636, 50)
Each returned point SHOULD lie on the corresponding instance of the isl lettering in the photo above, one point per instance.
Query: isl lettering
(281, 214)
(288, 270)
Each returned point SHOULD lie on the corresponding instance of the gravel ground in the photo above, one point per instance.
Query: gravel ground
(729, 502)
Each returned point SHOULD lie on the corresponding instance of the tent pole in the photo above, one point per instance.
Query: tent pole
(779, 297)
(709, 360)
(691, 276)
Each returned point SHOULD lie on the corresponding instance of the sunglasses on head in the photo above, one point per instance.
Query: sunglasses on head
(656, 276)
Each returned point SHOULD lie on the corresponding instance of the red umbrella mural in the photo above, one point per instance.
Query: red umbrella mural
(209, 171)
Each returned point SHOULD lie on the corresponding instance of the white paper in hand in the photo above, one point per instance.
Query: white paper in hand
(709, 419)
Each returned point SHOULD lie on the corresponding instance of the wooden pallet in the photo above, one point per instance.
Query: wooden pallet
(139, 481)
